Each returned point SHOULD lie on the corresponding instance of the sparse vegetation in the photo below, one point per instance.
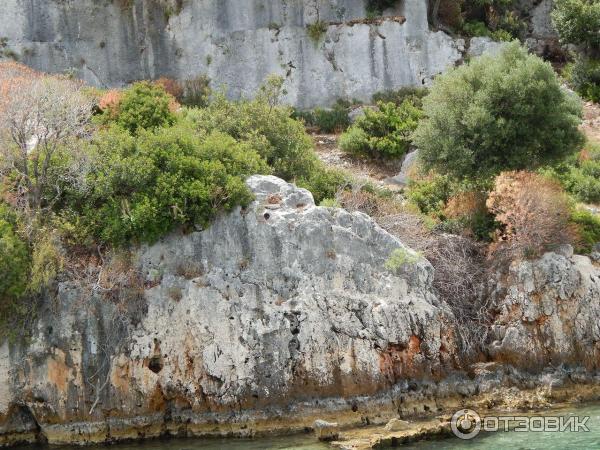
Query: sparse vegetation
(316, 30)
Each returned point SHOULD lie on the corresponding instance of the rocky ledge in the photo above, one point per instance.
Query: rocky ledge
(278, 314)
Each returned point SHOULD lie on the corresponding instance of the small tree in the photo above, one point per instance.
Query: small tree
(497, 113)
(40, 119)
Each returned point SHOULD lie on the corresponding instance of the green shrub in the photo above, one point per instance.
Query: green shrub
(476, 28)
(383, 133)
(330, 203)
(588, 227)
(14, 261)
(501, 35)
(47, 261)
(332, 120)
(497, 113)
(324, 182)
(431, 194)
(144, 106)
(578, 22)
(585, 78)
(580, 174)
(414, 94)
(142, 187)
(268, 128)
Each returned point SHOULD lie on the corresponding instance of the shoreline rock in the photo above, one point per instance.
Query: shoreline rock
(280, 314)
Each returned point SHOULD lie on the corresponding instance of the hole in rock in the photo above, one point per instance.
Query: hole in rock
(155, 364)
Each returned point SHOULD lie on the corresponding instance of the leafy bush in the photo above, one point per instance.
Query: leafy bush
(476, 28)
(431, 194)
(578, 22)
(330, 203)
(47, 261)
(497, 113)
(399, 258)
(324, 182)
(14, 262)
(383, 133)
(316, 30)
(580, 175)
(331, 120)
(414, 94)
(588, 229)
(267, 127)
(144, 106)
(142, 187)
(585, 78)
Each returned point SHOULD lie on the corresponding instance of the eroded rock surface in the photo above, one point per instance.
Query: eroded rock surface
(549, 313)
(282, 313)
(274, 305)
(236, 43)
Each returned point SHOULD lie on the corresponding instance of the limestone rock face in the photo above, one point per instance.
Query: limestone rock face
(273, 305)
(236, 43)
(279, 314)
(550, 310)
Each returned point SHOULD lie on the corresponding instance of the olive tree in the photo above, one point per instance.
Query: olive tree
(507, 112)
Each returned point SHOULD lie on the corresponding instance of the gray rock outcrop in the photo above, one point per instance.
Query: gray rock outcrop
(274, 305)
(549, 313)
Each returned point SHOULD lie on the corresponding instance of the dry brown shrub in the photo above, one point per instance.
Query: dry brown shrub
(449, 13)
(171, 86)
(41, 117)
(465, 204)
(534, 211)
(110, 101)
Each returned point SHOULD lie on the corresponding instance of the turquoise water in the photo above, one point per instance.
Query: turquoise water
(490, 441)
(528, 440)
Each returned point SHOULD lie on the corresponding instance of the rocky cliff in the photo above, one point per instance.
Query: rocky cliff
(275, 315)
(273, 310)
(236, 43)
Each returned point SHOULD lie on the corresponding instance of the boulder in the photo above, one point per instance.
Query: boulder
(274, 307)
(326, 431)
(397, 425)
(482, 45)
(409, 165)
